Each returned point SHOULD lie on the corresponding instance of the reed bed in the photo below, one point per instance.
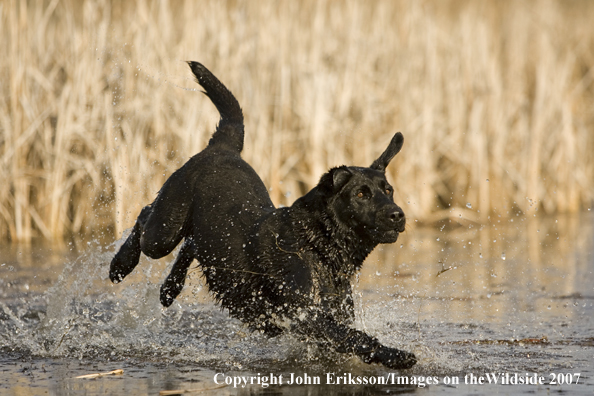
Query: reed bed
(97, 108)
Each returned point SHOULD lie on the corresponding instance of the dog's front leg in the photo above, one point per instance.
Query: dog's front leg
(345, 339)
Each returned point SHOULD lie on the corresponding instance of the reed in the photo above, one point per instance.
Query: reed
(97, 108)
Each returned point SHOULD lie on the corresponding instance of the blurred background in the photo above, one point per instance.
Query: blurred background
(97, 106)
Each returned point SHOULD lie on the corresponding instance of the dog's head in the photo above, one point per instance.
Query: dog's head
(363, 200)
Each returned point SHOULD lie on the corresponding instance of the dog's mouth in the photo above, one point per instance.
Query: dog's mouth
(391, 227)
(387, 236)
(393, 234)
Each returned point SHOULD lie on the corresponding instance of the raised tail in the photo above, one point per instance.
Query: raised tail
(230, 130)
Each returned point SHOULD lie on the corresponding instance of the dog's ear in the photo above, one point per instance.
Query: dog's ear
(335, 179)
(394, 147)
(340, 176)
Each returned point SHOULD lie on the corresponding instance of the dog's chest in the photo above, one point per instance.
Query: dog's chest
(331, 289)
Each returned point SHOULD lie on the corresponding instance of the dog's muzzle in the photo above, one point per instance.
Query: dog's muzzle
(393, 218)
(390, 222)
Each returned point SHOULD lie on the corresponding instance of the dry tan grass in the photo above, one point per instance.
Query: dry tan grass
(495, 100)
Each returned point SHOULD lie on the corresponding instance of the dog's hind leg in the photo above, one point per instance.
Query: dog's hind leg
(174, 283)
(159, 228)
(128, 256)
(170, 216)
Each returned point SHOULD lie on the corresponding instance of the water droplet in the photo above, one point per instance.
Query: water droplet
(503, 256)
(468, 205)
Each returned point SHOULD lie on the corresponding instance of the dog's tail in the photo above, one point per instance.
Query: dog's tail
(230, 129)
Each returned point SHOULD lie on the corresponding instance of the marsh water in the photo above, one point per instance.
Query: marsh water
(511, 301)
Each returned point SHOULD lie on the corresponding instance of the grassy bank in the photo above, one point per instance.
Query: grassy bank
(97, 108)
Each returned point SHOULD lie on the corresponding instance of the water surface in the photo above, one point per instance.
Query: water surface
(512, 299)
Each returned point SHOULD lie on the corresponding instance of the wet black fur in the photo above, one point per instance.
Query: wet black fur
(286, 269)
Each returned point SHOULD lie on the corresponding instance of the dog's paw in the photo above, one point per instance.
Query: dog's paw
(392, 358)
(126, 259)
(170, 289)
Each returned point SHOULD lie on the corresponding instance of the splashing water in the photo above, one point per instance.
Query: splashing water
(88, 317)
(531, 313)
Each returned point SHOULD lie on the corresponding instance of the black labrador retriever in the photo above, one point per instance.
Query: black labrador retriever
(286, 269)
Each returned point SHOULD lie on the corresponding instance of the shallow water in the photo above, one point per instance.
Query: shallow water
(514, 298)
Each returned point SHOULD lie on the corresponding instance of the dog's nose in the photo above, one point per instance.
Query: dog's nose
(396, 218)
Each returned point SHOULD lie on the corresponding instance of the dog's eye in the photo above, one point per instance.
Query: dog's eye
(364, 192)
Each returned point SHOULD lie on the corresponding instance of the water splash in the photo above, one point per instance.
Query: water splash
(465, 320)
